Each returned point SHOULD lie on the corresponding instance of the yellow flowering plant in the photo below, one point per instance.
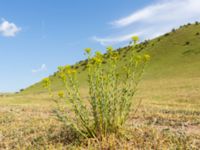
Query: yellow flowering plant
(110, 92)
(135, 39)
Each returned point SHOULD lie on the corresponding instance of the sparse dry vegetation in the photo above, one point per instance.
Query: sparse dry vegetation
(168, 117)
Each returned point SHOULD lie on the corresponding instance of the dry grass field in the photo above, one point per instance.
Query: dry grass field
(166, 115)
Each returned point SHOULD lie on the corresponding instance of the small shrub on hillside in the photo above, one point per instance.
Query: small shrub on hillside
(187, 43)
(173, 30)
(146, 42)
(167, 34)
(110, 94)
(54, 74)
(83, 64)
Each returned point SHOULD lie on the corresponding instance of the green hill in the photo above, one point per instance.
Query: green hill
(174, 55)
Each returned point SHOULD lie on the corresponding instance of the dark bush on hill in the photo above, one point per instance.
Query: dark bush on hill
(187, 43)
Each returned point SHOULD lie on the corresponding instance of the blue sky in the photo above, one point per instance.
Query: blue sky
(37, 36)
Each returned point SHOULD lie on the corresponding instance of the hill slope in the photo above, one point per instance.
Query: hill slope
(174, 55)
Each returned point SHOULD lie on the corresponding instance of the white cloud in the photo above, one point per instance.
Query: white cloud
(114, 40)
(8, 29)
(43, 67)
(156, 19)
(170, 10)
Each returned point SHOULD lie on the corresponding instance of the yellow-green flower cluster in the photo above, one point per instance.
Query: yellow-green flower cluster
(144, 57)
(88, 50)
(69, 71)
(46, 82)
(109, 49)
(66, 70)
(135, 39)
(112, 54)
(98, 58)
(147, 57)
(61, 94)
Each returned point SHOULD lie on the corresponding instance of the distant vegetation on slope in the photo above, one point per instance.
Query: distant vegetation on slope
(174, 55)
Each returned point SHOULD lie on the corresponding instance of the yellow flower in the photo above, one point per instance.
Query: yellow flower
(115, 56)
(60, 68)
(146, 57)
(73, 71)
(135, 39)
(87, 50)
(67, 70)
(62, 76)
(97, 60)
(109, 49)
(46, 82)
(67, 67)
(98, 54)
(61, 94)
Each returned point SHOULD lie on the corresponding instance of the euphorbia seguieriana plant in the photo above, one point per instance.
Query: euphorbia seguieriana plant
(111, 90)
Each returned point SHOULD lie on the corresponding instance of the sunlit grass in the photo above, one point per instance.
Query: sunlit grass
(168, 116)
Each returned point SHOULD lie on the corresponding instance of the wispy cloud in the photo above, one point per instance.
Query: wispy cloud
(113, 40)
(156, 19)
(171, 10)
(42, 68)
(8, 29)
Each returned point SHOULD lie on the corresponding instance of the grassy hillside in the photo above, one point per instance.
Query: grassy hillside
(174, 55)
(165, 114)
